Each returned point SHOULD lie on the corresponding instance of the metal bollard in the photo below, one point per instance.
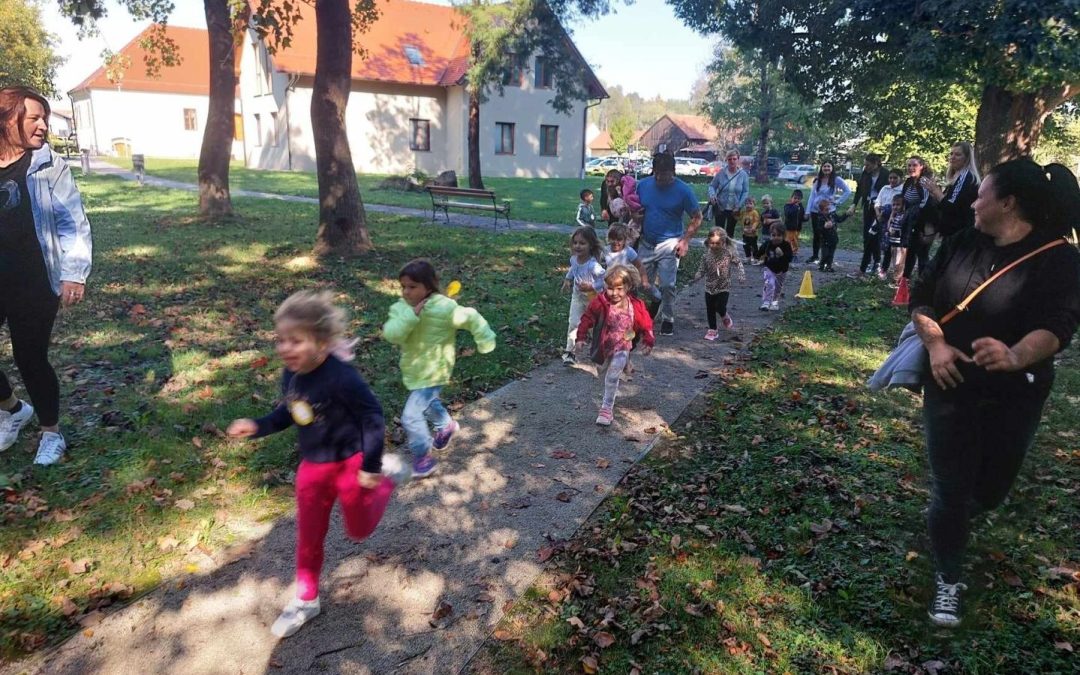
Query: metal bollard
(138, 163)
(85, 158)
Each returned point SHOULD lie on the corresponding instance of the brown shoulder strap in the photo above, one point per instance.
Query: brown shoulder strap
(963, 305)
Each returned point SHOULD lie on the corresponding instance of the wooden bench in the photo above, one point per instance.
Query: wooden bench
(445, 198)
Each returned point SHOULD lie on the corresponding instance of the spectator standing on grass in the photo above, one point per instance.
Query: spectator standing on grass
(874, 177)
(728, 191)
(609, 190)
(585, 215)
(990, 370)
(664, 237)
(919, 208)
(961, 188)
(45, 253)
(828, 186)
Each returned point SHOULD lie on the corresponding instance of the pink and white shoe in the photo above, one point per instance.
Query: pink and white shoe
(711, 334)
(604, 417)
(729, 323)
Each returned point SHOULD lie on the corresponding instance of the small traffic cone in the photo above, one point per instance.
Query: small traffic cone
(806, 289)
(901, 298)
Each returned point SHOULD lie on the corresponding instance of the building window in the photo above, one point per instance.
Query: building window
(273, 129)
(191, 123)
(513, 71)
(543, 74)
(549, 140)
(258, 129)
(504, 138)
(262, 70)
(420, 135)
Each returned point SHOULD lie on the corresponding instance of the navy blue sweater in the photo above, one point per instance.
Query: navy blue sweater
(342, 415)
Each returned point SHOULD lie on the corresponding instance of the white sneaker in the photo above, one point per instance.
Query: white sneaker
(774, 306)
(396, 470)
(294, 616)
(50, 449)
(12, 423)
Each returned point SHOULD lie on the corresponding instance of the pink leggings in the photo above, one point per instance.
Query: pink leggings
(318, 485)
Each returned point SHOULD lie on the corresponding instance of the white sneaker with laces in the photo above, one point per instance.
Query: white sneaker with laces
(774, 306)
(294, 616)
(11, 423)
(50, 449)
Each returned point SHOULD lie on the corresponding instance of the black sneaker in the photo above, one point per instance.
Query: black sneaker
(667, 328)
(945, 609)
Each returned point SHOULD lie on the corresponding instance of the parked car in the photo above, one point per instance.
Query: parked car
(600, 167)
(712, 168)
(688, 166)
(795, 173)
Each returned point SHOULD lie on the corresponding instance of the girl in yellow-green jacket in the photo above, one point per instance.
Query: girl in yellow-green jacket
(424, 323)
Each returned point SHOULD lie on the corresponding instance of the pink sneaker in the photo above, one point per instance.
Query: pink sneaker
(711, 334)
(443, 436)
(603, 418)
(729, 323)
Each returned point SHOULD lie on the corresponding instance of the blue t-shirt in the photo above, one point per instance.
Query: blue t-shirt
(665, 208)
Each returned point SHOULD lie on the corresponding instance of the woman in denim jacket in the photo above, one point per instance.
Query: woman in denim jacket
(45, 254)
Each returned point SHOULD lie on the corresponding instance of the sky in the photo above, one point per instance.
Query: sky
(641, 47)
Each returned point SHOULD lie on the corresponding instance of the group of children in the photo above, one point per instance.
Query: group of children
(341, 427)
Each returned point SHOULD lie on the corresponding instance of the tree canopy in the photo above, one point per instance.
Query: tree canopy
(26, 48)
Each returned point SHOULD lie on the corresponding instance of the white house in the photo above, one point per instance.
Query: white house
(161, 116)
(408, 108)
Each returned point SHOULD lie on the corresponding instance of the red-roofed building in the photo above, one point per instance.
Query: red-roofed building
(162, 116)
(408, 108)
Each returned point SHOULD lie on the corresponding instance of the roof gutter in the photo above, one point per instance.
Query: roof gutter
(585, 132)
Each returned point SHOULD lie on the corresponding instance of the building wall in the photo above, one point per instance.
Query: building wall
(114, 122)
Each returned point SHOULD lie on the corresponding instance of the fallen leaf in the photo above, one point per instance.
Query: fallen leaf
(757, 440)
(589, 664)
(763, 639)
(68, 607)
(502, 634)
(79, 566)
(650, 431)
(92, 619)
(274, 663)
(603, 639)
(676, 540)
(184, 504)
(544, 553)
(444, 610)
(821, 528)
(734, 508)
(260, 362)
(563, 454)
(167, 543)
(603, 463)
(576, 623)
(563, 497)
(693, 610)
(911, 555)
(1013, 580)
(485, 597)
(1064, 646)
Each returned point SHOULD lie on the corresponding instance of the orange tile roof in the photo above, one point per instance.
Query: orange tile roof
(435, 32)
(192, 76)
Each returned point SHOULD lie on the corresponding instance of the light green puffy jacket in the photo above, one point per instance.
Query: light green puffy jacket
(427, 341)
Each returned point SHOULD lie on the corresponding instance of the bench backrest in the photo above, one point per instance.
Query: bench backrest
(461, 192)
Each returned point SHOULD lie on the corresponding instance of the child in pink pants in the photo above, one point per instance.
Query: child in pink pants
(340, 433)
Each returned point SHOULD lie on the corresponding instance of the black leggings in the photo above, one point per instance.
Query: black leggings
(749, 245)
(818, 225)
(976, 441)
(715, 305)
(725, 218)
(871, 243)
(30, 318)
(917, 252)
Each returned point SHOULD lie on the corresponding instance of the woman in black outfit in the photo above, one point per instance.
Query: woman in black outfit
(44, 261)
(991, 368)
(961, 187)
(920, 230)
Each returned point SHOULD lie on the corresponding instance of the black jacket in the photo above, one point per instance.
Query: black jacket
(862, 191)
(955, 215)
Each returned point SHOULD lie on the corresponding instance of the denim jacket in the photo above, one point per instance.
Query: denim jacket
(63, 230)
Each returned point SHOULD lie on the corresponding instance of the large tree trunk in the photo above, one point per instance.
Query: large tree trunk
(1009, 124)
(475, 180)
(214, 199)
(342, 224)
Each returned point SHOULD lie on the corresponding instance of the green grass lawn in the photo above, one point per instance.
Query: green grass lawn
(780, 531)
(173, 342)
(541, 200)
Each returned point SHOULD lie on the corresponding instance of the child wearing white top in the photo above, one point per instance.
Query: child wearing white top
(584, 279)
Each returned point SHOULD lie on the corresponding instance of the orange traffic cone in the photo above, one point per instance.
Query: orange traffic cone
(901, 298)
(806, 289)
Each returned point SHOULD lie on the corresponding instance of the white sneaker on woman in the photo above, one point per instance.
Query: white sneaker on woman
(50, 449)
(294, 616)
(11, 423)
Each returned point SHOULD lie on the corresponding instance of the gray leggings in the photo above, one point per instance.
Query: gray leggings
(615, 367)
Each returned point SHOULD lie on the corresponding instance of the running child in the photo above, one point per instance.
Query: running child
(830, 220)
(620, 252)
(584, 280)
(794, 217)
(585, 215)
(624, 318)
(777, 254)
(340, 435)
(424, 323)
(751, 223)
(896, 235)
(720, 254)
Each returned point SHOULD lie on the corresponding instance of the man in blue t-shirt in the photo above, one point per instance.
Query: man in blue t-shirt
(666, 199)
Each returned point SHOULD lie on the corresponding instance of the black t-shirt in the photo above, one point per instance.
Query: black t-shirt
(1042, 292)
(21, 260)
